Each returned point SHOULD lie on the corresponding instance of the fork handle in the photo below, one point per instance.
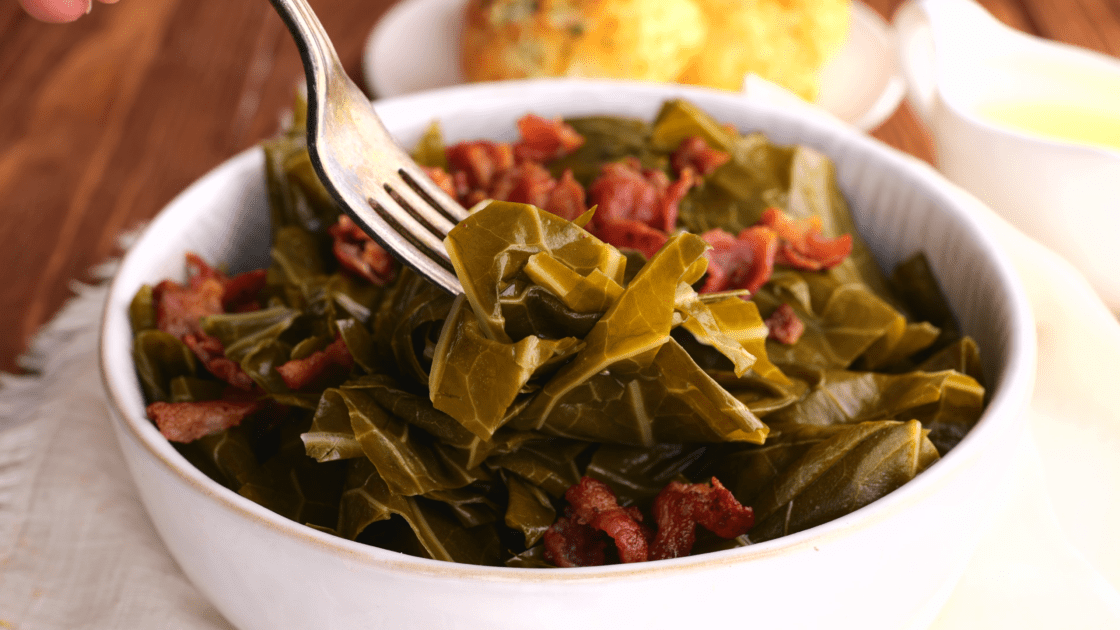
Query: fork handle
(396, 205)
(320, 59)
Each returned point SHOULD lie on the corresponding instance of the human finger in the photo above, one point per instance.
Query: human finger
(56, 11)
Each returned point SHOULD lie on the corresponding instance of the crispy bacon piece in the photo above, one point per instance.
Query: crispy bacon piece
(569, 543)
(481, 160)
(672, 200)
(567, 199)
(593, 502)
(544, 140)
(695, 154)
(187, 421)
(208, 292)
(198, 270)
(239, 293)
(481, 170)
(743, 262)
(803, 246)
(357, 252)
(624, 191)
(473, 197)
(527, 182)
(299, 373)
(630, 234)
(442, 178)
(680, 507)
(462, 187)
(179, 307)
(592, 507)
(785, 326)
(212, 354)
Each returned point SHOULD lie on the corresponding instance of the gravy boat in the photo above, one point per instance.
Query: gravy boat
(961, 64)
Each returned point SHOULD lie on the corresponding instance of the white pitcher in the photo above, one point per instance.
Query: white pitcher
(963, 67)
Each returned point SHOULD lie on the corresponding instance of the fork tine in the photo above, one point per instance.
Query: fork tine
(408, 226)
(418, 204)
(361, 165)
(436, 197)
(399, 232)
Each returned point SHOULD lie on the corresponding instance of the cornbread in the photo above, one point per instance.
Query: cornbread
(705, 42)
(784, 41)
(650, 40)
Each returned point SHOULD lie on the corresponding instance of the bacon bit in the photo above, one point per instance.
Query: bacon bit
(670, 203)
(680, 507)
(527, 182)
(592, 505)
(473, 197)
(441, 178)
(624, 191)
(208, 292)
(212, 354)
(482, 170)
(462, 186)
(357, 252)
(481, 160)
(803, 246)
(785, 326)
(187, 421)
(544, 140)
(298, 373)
(694, 153)
(569, 543)
(198, 271)
(743, 262)
(239, 293)
(179, 308)
(629, 234)
(567, 199)
(593, 502)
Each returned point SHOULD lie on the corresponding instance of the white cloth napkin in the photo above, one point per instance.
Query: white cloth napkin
(77, 550)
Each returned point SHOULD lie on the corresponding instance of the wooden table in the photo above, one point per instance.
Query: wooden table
(103, 121)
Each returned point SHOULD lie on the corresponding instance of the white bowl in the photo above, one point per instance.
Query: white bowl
(888, 565)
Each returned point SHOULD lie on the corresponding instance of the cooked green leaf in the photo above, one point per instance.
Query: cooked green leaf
(638, 474)
(408, 459)
(529, 510)
(475, 379)
(142, 310)
(242, 333)
(367, 499)
(160, 357)
(491, 246)
(549, 464)
(331, 436)
(840, 475)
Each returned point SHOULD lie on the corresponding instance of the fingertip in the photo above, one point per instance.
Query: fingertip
(56, 11)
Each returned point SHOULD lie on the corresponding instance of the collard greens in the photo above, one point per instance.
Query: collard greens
(461, 421)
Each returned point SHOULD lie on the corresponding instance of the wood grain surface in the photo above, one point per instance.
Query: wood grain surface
(104, 120)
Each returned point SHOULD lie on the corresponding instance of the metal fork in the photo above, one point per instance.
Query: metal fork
(375, 181)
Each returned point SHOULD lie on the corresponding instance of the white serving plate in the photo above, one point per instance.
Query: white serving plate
(415, 47)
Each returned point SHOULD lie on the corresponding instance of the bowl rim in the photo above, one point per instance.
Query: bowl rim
(1006, 406)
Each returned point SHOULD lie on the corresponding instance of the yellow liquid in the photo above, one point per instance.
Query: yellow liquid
(1070, 122)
